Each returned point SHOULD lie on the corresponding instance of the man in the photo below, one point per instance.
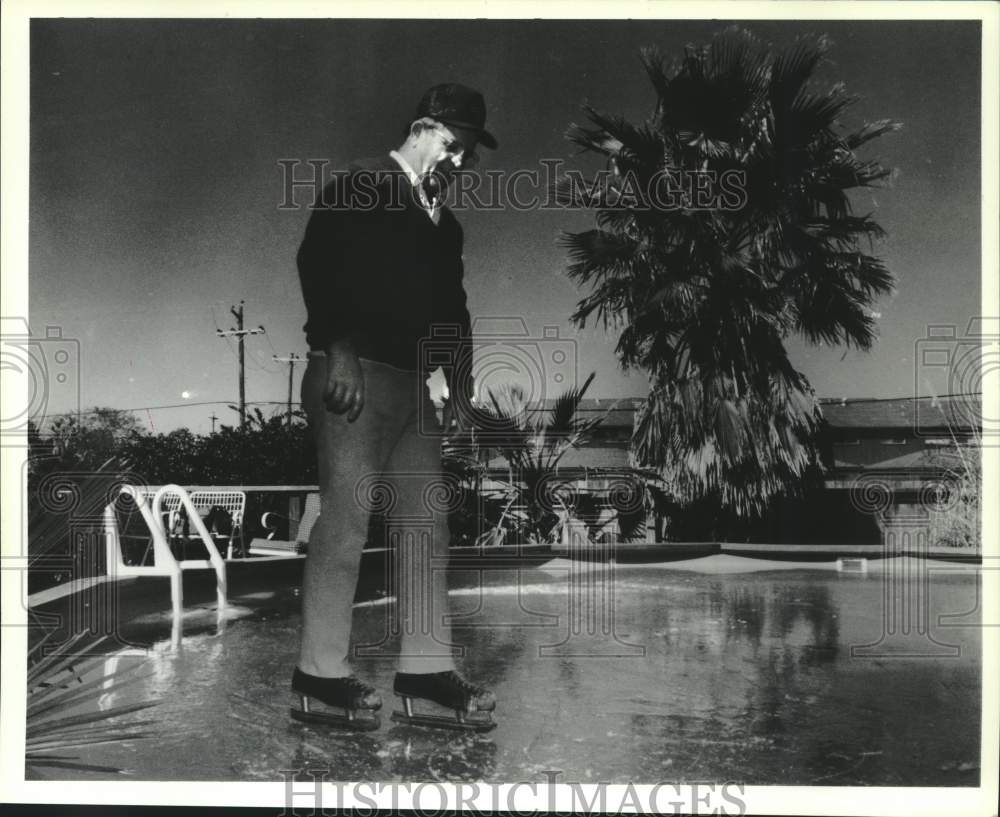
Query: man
(381, 273)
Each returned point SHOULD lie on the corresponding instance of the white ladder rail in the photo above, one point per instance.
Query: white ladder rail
(164, 561)
(215, 560)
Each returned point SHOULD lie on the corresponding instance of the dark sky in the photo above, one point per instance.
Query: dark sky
(155, 181)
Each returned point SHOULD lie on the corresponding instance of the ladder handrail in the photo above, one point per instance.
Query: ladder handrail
(164, 561)
(195, 518)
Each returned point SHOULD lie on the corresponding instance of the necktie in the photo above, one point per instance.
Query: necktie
(431, 189)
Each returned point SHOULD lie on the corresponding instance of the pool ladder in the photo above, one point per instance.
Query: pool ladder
(164, 561)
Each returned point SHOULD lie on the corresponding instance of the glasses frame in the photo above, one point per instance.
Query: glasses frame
(454, 147)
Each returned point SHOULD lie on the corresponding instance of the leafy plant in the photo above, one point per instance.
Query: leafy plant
(93, 436)
(64, 505)
(59, 684)
(533, 443)
(955, 522)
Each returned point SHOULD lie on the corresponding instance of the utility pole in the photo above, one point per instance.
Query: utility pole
(291, 360)
(213, 418)
(241, 333)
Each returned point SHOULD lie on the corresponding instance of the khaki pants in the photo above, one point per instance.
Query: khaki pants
(386, 460)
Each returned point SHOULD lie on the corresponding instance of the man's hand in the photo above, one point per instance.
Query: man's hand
(455, 421)
(345, 381)
(458, 406)
(448, 417)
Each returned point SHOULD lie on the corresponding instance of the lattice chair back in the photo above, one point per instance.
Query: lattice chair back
(170, 506)
(234, 504)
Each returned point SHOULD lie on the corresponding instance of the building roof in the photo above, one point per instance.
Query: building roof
(931, 459)
(597, 457)
(617, 412)
(958, 412)
(591, 457)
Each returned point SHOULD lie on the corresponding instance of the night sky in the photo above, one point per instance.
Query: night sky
(155, 182)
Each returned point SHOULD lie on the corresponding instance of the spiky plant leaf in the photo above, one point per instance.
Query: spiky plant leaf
(58, 686)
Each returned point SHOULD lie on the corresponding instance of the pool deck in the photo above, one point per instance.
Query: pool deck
(511, 555)
(721, 667)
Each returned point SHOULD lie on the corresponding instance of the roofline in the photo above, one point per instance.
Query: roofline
(912, 398)
(924, 427)
(822, 400)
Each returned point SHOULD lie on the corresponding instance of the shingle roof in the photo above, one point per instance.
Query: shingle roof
(956, 412)
(590, 457)
(596, 457)
(932, 459)
(617, 412)
(959, 412)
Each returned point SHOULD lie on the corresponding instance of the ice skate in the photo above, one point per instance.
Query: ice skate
(469, 707)
(335, 701)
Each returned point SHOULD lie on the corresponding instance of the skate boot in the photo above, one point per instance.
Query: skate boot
(470, 707)
(344, 697)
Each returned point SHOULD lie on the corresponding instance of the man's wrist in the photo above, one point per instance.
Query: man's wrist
(341, 347)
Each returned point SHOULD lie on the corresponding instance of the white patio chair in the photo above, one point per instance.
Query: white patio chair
(233, 503)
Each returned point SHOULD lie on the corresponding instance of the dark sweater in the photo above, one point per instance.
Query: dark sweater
(375, 268)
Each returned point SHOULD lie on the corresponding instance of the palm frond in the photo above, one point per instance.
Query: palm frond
(597, 252)
(562, 418)
(793, 68)
(58, 685)
(870, 131)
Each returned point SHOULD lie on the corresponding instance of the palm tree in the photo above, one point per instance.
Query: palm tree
(705, 298)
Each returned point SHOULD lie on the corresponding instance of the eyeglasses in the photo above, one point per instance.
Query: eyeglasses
(454, 147)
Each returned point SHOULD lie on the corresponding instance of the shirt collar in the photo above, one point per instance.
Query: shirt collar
(411, 174)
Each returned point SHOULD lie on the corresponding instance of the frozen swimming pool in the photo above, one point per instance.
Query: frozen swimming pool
(717, 668)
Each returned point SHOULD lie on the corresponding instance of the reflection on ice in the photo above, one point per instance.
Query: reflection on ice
(738, 675)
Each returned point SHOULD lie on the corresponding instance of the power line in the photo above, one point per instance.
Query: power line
(241, 334)
(274, 351)
(256, 362)
(218, 331)
(103, 409)
(274, 354)
(291, 360)
(253, 356)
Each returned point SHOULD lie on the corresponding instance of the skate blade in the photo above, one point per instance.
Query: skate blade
(363, 723)
(468, 724)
